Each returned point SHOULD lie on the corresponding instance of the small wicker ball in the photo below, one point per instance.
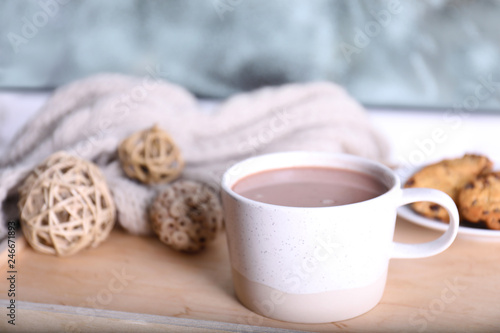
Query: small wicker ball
(65, 206)
(151, 156)
(186, 215)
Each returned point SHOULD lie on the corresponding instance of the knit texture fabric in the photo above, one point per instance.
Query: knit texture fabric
(90, 117)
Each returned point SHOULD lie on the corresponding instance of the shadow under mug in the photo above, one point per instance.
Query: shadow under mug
(319, 264)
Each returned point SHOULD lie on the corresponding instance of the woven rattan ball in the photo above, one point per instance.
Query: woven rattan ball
(187, 215)
(151, 156)
(65, 206)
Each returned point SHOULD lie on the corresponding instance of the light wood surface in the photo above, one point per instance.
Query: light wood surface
(457, 290)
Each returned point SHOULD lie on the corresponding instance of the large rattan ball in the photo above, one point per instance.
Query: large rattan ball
(187, 215)
(151, 156)
(65, 206)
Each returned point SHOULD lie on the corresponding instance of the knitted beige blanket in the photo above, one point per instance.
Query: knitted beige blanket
(90, 117)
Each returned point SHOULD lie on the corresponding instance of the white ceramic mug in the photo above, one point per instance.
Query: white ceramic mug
(319, 264)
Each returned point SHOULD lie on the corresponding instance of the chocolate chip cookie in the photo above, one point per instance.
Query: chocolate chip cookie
(479, 200)
(448, 176)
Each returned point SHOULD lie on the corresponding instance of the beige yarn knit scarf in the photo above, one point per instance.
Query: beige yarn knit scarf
(90, 117)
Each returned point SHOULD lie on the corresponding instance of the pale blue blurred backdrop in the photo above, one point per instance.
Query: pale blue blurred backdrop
(439, 53)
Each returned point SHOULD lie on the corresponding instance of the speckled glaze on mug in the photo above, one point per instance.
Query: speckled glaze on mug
(319, 264)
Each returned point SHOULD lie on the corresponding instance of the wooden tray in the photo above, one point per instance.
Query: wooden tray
(129, 281)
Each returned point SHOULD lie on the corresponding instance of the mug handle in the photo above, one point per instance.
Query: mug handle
(401, 250)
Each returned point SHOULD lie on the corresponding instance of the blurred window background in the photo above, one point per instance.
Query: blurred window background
(410, 54)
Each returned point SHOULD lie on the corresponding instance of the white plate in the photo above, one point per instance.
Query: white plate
(407, 213)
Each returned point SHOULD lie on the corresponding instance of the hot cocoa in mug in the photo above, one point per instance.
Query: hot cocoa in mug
(309, 187)
(310, 234)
